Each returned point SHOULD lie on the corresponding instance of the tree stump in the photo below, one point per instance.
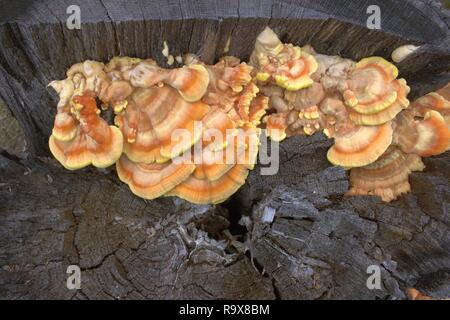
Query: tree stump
(288, 236)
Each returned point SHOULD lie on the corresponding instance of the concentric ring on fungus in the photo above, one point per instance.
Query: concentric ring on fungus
(378, 134)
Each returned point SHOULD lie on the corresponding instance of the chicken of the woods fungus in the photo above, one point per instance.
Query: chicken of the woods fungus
(285, 89)
(362, 106)
(151, 104)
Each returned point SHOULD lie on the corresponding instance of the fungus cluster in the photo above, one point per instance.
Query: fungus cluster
(193, 131)
(189, 132)
(362, 106)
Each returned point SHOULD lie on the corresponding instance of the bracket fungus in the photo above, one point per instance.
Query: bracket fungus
(424, 129)
(163, 118)
(284, 64)
(152, 180)
(387, 177)
(169, 125)
(81, 137)
(360, 147)
(362, 106)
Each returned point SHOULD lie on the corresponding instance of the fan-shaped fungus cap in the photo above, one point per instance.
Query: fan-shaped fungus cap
(433, 101)
(216, 162)
(153, 180)
(385, 115)
(151, 119)
(276, 125)
(191, 81)
(387, 177)
(94, 143)
(370, 89)
(216, 121)
(426, 137)
(65, 126)
(361, 146)
(204, 191)
(285, 64)
(215, 182)
(296, 74)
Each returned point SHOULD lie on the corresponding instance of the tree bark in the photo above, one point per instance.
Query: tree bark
(37, 47)
(317, 245)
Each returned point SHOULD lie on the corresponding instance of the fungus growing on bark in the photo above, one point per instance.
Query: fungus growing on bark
(91, 141)
(383, 116)
(362, 106)
(161, 114)
(214, 183)
(283, 64)
(152, 180)
(361, 146)
(65, 125)
(191, 81)
(151, 117)
(423, 129)
(419, 131)
(276, 125)
(231, 88)
(437, 101)
(387, 177)
(257, 109)
(204, 191)
(373, 93)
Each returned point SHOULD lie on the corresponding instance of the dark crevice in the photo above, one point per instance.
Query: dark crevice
(276, 292)
(256, 264)
(235, 212)
(10, 156)
(215, 224)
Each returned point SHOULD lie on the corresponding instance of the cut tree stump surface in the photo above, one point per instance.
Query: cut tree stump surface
(318, 245)
(287, 236)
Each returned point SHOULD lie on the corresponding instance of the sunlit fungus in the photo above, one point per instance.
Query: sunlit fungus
(362, 106)
(194, 131)
(163, 119)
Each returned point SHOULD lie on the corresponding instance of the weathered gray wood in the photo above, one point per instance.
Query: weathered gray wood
(126, 247)
(319, 244)
(12, 138)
